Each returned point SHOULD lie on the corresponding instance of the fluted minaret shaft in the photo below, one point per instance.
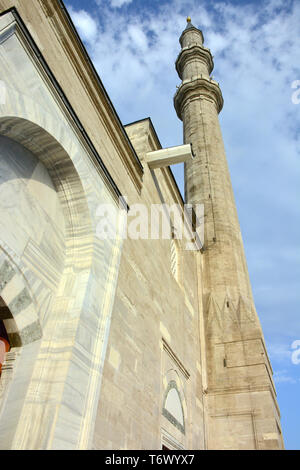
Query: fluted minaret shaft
(235, 356)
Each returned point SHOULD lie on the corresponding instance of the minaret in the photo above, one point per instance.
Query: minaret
(241, 406)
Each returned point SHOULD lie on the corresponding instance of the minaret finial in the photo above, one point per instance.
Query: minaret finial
(188, 20)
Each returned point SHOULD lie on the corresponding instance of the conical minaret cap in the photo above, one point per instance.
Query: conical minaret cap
(190, 27)
(189, 23)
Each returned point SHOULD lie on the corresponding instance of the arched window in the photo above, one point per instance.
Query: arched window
(172, 409)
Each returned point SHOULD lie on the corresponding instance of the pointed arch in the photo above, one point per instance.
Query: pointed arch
(61, 169)
(173, 407)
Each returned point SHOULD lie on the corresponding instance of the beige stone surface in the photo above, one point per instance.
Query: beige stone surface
(155, 331)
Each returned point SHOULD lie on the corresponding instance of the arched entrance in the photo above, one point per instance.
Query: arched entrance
(19, 326)
(4, 339)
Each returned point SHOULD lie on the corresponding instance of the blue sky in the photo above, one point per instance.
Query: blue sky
(134, 44)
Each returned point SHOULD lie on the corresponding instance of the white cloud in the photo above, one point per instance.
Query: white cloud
(138, 38)
(282, 376)
(85, 24)
(280, 353)
(114, 3)
(119, 3)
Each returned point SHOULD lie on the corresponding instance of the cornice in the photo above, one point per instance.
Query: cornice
(85, 71)
(198, 86)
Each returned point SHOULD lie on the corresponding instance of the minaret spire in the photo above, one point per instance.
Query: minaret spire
(189, 23)
(238, 370)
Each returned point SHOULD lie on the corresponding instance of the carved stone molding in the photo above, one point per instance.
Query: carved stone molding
(198, 86)
(192, 53)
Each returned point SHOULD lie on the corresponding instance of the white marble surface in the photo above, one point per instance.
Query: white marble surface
(50, 189)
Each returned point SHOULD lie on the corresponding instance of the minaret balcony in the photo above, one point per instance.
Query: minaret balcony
(194, 52)
(196, 87)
